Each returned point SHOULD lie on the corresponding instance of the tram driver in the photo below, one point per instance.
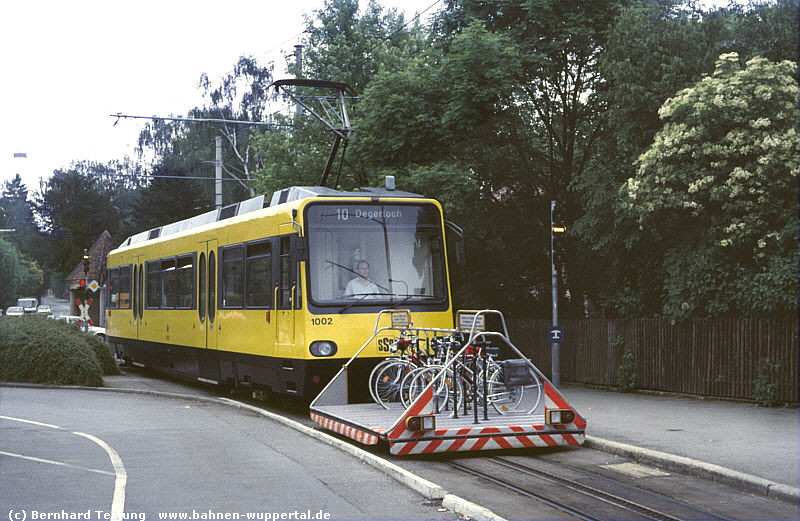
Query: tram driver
(361, 285)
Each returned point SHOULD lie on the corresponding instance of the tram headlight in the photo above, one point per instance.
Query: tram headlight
(323, 348)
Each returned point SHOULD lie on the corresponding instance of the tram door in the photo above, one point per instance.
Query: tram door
(137, 294)
(208, 360)
(207, 292)
(287, 294)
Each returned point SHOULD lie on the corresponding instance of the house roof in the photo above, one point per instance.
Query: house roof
(97, 260)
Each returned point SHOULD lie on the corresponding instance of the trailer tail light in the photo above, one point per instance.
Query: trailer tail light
(423, 422)
(558, 416)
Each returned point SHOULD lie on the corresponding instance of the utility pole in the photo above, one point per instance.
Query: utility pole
(86, 301)
(298, 62)
(218, 174)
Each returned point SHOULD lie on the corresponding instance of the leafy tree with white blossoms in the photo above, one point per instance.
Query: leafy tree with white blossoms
(718, 189)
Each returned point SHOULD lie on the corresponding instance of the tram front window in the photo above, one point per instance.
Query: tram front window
(372, 254)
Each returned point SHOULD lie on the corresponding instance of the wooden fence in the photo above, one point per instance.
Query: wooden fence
(721, 358)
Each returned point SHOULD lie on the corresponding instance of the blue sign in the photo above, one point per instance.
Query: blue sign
(556, 335)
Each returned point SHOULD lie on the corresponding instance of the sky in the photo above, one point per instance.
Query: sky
(68, 66)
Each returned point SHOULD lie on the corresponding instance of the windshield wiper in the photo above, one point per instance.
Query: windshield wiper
(361, 296)
(407, 297)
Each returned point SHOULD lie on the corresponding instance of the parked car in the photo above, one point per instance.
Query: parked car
(15, 311)
(99, 332)
(65, 318)
(43, 309)
(28, 304)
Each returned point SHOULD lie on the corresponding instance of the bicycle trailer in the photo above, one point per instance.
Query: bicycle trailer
(449, 391)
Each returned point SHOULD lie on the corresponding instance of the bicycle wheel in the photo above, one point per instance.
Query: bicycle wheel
(417, 380)
(387, 382)
(373, 376)
(518, 396)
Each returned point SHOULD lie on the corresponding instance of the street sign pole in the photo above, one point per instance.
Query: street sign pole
(86, 260)
(555, 361)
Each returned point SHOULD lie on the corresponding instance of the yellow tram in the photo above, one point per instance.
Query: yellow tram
(275, 297)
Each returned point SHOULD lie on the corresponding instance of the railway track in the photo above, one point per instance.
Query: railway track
(579, 493)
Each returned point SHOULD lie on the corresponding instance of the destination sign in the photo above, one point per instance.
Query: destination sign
(344, 214)
(424, 214)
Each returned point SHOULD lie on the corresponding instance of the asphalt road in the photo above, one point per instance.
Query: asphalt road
(93, 455)
(58, 306)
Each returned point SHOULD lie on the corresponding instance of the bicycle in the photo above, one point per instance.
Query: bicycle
(512, 386)
(386, 377)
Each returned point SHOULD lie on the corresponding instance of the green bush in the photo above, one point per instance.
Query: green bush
(765, 386)
(627, 371)
(40, 350)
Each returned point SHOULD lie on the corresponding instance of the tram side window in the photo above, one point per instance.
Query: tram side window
(232, 276)
(124, 288)
(258, 272)
(185, 282)
(169, 284)
(154, 284)
(285, 264)
(113, 287)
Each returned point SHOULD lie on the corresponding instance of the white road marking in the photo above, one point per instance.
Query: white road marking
(51, 462)
(118, 502)
(29, 421)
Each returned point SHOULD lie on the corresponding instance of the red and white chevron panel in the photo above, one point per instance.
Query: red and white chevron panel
(345, 430)
(486, 438)
(422, 405)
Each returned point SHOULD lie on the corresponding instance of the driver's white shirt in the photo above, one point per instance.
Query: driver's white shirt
(356, 287)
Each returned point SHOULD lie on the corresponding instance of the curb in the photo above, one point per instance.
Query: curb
(469, 509)
(697, 468)
(422, 486)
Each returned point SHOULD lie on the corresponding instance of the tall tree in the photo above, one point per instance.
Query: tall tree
(74, 209)
(351, 45)
(346, 45)
(232, 105)
(16, 213)
(718, 191)
(190, 147)
(507, 93)
(10, 273)
(169, 197)
(654, 50)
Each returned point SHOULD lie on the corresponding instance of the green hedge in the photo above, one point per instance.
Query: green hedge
(36, 349)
